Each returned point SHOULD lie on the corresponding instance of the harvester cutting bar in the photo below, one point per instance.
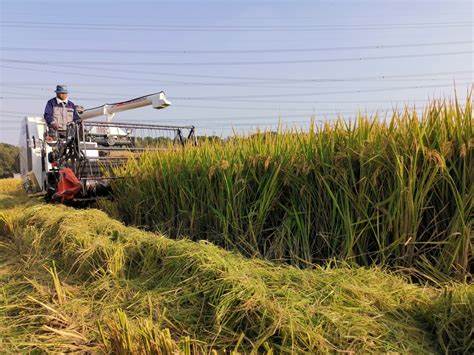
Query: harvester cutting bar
(135, 125)
(100, 147)
(118, 149)
(85, 178)
(109, 158)
(134, 135)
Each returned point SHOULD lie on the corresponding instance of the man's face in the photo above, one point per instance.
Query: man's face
(62, 96)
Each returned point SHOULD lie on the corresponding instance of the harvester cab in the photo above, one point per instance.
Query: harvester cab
(77, 164)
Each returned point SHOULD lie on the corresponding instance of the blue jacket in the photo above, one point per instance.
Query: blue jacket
(49, 110)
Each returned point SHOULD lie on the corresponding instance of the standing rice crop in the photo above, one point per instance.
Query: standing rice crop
(396, 192)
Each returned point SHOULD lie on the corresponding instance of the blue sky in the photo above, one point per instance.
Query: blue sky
(233, 65)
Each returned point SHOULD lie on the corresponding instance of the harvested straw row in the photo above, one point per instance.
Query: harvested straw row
(207, 297)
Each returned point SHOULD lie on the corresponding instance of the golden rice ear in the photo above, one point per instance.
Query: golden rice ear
(224, 164)
(466, 148)
(267, 162)
(463, 150)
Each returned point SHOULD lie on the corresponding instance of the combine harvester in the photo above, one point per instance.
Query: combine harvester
(76, 165)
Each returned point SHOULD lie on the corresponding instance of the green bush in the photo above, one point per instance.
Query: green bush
(9, 160)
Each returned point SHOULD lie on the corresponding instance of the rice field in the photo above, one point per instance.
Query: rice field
(394, 191)
(79, 281)
(350, 237)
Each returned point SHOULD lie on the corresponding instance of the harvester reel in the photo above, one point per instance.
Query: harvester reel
(91, 150)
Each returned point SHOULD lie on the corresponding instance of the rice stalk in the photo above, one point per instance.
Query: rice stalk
(397, 192)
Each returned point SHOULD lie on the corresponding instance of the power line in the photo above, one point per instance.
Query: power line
(47, 88)
(275, 110)
(227, 77)
(312, 102)
(237, 97)
(238, 26)
(42, 98)
(382, 78)
(232, 51)
(155, 81)
(317, 93)
(251, 98)
(227, 28)
(293, 109)
(256, 108)
(267, 116)
(300, 61)
(396, 102)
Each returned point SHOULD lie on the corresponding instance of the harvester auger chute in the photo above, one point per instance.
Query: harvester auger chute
(77, 165)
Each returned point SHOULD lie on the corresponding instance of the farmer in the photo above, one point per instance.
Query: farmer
(59, 111)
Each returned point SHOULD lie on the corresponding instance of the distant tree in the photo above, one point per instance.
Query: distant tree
(208, 139)
(9, 160)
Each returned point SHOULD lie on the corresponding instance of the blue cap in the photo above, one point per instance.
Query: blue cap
(61, 89)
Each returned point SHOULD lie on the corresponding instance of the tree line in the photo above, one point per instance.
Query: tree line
(9, 160)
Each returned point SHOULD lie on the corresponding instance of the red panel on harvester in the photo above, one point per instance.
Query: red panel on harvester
(68, 186)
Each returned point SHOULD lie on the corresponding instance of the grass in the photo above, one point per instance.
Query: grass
(396, 192)
(77, 280)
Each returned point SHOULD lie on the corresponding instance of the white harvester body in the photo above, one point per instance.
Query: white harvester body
(86, 145)
(33, 166)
